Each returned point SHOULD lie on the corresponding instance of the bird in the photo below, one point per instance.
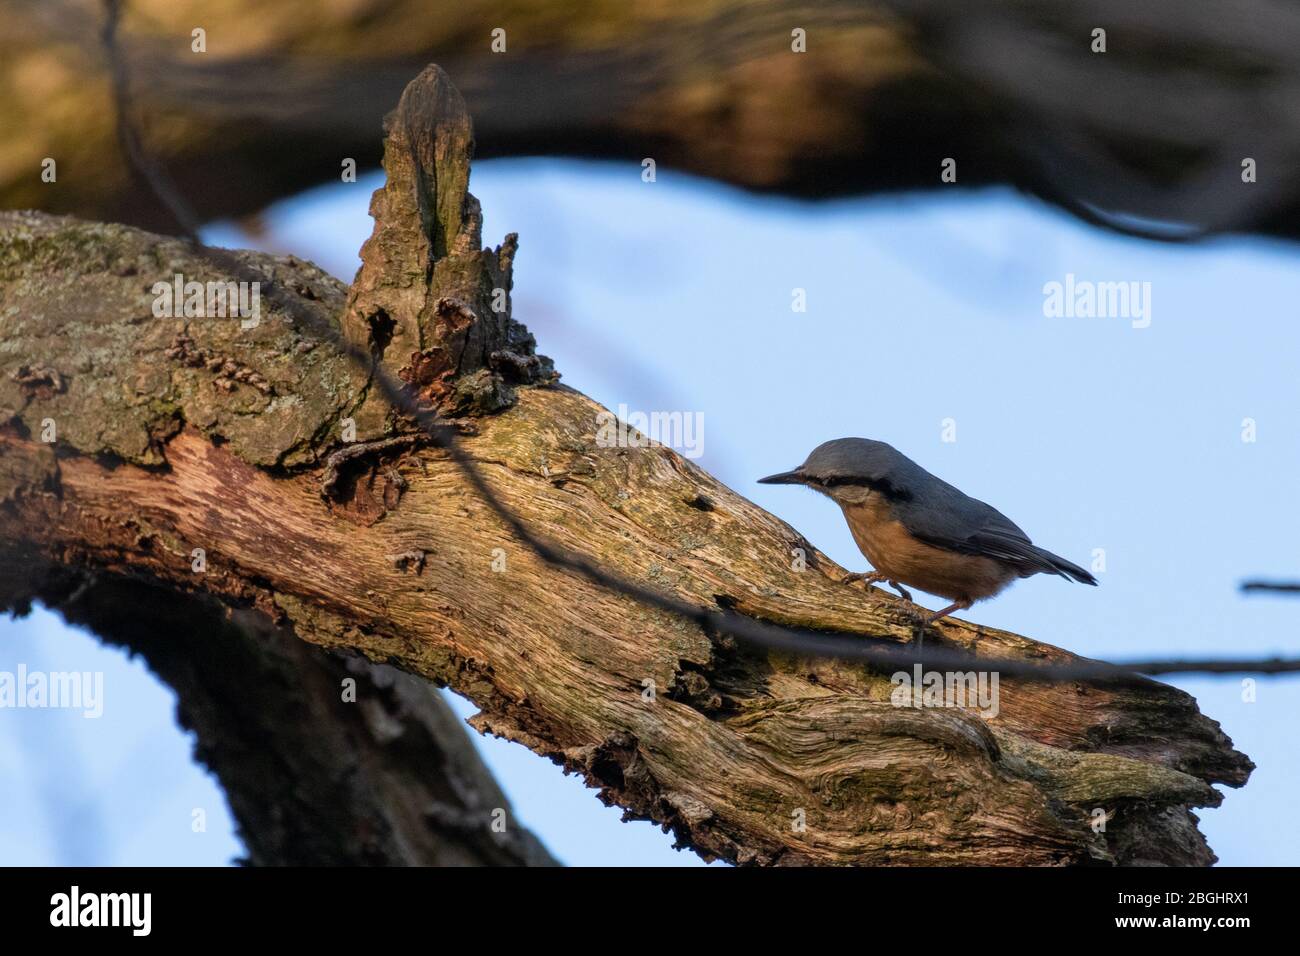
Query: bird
(918, 530)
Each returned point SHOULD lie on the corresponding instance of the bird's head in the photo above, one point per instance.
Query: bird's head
(849, 470)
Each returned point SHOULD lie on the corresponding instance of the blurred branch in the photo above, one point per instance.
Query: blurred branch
(315, 775)
(1146, 138)
(1276, 587)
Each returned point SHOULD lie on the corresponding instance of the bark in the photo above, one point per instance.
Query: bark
(1157, 127)
(228, 439)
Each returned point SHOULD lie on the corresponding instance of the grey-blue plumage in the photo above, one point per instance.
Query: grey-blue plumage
(942, 515)
(931, 510)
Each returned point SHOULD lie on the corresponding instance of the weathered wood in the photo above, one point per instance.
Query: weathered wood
(726, 747)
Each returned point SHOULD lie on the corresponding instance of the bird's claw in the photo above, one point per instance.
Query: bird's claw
(915, 614)
(866, 577)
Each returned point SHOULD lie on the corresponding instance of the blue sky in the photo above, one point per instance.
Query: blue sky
(676, 296)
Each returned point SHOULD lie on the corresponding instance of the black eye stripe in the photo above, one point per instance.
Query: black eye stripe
(837, 481)
(851, 481)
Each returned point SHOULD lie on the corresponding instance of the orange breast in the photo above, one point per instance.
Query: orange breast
(894, 552)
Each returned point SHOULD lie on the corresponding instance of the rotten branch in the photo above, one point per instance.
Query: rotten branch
(559, 647)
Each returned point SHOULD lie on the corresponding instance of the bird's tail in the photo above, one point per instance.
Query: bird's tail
(1058, 565)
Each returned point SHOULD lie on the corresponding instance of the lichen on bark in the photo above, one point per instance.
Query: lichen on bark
(82, 296)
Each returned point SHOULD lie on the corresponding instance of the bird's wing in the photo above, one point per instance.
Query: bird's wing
(956, 522)
(966, 526)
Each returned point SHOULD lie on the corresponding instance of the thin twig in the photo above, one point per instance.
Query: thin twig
(1277, 587)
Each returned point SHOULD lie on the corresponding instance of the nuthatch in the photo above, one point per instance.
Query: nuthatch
(916, 529)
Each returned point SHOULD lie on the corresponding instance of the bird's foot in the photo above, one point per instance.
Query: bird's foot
(875, 577)
(906, 594)
(866, 577)
(914, 615)
(919, 619)
(954, 606)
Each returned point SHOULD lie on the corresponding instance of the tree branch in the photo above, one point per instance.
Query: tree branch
(223, 442)
(1147, 138)
(317, 772)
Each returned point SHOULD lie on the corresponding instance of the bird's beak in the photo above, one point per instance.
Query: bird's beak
(785, 478)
